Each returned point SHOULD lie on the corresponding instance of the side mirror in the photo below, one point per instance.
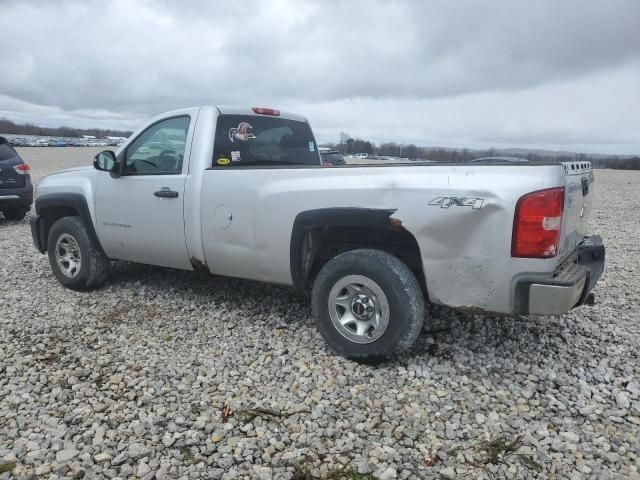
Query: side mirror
(105, 161)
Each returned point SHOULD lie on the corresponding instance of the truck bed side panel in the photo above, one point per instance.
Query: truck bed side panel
(248, 216)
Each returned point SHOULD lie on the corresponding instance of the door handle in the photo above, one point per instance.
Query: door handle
(585, 187)
(166, 193)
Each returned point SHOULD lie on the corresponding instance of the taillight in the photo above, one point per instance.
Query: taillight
(537, 222)
(266, 111)
(22, 169)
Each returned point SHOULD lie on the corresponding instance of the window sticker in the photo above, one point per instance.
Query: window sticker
(223, 161)
(243, 132)
(312, 147)
(235, 156)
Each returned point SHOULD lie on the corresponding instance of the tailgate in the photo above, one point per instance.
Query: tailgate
(577, 205)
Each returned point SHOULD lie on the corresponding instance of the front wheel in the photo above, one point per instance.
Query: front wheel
(368, 305)
(74, 259)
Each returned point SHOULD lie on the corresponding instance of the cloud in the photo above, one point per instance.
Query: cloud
(564, 115)
(129, 59)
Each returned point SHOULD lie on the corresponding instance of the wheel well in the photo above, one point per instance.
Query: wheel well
(322, 243)
(54, 206)
(51, 215)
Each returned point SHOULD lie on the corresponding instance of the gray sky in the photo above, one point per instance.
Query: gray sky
(543, 74)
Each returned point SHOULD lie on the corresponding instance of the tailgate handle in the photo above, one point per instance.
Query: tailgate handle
(585, 186)
(166, 193)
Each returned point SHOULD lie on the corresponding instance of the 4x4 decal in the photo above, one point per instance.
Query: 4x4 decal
(446, 202)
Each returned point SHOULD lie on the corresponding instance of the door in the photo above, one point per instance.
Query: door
(244, 230)
(140, 214)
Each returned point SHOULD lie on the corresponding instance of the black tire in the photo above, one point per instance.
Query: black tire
(15, 214)
(403, 295)
(94, 265)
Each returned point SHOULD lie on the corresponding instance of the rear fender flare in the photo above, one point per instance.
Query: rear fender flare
(325, 217)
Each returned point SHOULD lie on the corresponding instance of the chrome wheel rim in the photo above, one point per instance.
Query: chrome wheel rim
(68, 255)
(359, 309)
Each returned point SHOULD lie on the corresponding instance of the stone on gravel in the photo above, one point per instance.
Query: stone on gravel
(622, 400)
(570, 437)
(448, 473)
(120, 459)
(138, 450)
(66, 454)
(102, 457)
(634, 387)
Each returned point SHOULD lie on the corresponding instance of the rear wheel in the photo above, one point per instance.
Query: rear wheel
(74, 259)
(368, 305)
(15, 214)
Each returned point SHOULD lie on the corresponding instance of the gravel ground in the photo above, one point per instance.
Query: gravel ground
(167, 374)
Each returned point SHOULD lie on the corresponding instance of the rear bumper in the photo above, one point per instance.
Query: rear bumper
(17, 197)
(569, 287)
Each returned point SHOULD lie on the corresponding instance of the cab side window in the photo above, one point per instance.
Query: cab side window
(159, 150)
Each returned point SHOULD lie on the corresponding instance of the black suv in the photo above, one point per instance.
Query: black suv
(16, 189)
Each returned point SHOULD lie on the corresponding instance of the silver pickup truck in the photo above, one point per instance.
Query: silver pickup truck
(241, 192)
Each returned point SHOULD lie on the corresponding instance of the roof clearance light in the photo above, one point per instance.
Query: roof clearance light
(266, 111)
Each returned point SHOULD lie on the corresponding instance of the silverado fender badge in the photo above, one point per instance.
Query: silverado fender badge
(446, 202)
(116, 224)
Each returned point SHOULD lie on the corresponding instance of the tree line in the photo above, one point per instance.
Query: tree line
(348, 145)
(7, 126)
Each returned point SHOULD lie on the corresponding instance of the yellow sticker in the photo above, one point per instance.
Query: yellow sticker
(223, 161)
